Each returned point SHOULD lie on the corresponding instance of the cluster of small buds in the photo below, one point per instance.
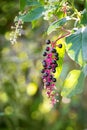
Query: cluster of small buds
(51, 8)
(16, 29)
(49, 68)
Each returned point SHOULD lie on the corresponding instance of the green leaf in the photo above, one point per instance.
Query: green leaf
(32, 3)
(76, 46)
(33, 14)
(34, 23)
(86, 4)
(2, 113)
(73, 83)
(84, 17)
(22, 4)
(57, 24)
(85, 70)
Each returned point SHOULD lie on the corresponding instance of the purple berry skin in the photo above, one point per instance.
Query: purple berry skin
(54, 79)
(53, 61)
(42, 71)
(56, 55)
(47, 83)
(56, 65)
(44, 54)
(46, 74)
(48, 41)
(53, 50)
(44, 64)
(57, 58)
(48, 48)
(49, 67)
(60, 45)
(51, 77)
(53, 70)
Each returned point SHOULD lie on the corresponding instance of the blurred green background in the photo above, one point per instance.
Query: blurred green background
(23, 104)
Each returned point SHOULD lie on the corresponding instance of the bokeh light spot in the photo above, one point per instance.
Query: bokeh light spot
(32, 89)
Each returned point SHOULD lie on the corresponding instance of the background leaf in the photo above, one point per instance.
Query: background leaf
(73, 84)
(85, 70)
(57, 24)
(32, 3)
(33, 14)
(84, 17)
(76, 45)
(22, 4)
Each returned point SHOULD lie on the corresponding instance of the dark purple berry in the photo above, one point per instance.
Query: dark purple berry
(47, 83)
(56, 65)
(42, 71)
(50, 77)
(44, 54)
(53, 50)
(48, 42)
(44, 61)
(45, 75)
(49, 67)
(57, 58)
(54, 79)
(48, 48)
(53, 70)
(44, 64)
(53, 62)
(60, 45)
(56, 54)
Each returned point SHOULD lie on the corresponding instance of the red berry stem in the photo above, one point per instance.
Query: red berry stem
(63, 36)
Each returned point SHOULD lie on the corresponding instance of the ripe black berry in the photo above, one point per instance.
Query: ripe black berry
(42, 71)
(47, 49)
(53, 70)
(56, 54)
(47, 83)
(60, 45)
(48, 42)
(44, 64)
(57, 58)
(45, 75)
(50, 77)
(54, 79)
(44, 54)
(49, 67)
(56, 65)
(53, 50)
(53, 62)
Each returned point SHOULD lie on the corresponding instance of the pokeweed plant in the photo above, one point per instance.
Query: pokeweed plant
(70, 23)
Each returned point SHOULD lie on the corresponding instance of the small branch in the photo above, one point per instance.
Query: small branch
(67, 33)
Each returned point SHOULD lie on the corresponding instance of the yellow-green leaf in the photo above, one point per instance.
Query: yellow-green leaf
(73, 83)
(61, 52)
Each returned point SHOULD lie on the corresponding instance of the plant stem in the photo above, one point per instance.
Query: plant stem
(63, 36)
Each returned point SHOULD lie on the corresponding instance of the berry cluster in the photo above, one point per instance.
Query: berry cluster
(49, 68)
